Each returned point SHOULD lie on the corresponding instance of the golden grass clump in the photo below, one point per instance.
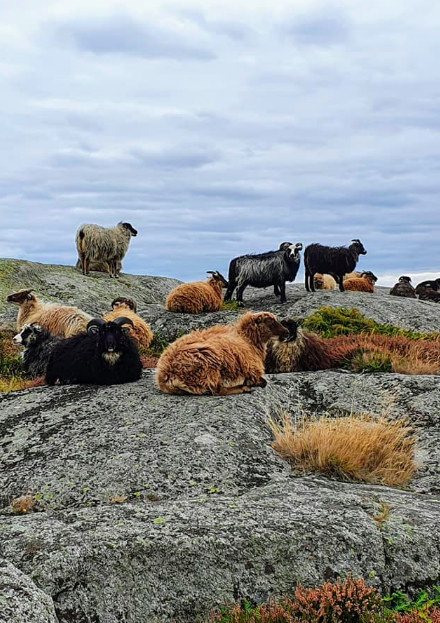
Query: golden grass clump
(360, 448)
(24, 504)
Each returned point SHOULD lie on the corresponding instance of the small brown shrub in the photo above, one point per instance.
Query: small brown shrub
(24, 504)
(118, 499)
(431, 616)
(363, 448)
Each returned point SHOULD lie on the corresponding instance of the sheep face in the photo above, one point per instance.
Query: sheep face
(27, 335)
(110, 337)
(292, 329)
(292, 252)
(129, 227)
(121, 300)
(20, 297)
(370, 276)
(218, 277)
(284, 245)
(268, 326)
(357, 246)
(405, 279)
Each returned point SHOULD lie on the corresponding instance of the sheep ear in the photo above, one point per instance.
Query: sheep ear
(93, 329)
(125, 329)
(37, 327)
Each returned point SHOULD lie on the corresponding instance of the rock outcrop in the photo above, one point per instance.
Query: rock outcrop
(152, 507)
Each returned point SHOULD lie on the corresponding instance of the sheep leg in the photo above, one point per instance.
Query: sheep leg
(240, 290)
(86, 266)
(341, 283)
(256, 382)
(231, 287)
(276, 290)
(283, 292)
(238, 389)
(307, 281)
(312, 281)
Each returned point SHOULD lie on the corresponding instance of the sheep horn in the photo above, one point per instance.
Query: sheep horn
(123, 320)
(94, 324)
(211, 272)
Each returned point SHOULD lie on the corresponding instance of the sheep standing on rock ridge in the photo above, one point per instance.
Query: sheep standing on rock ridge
(140, 331)
(262, 270)
(403, 288)
(197, 296)
(58, 319)
(221, 360)
(103, 244)
(364, 283)
(337, 261)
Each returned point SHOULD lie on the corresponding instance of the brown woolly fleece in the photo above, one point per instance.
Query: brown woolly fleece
(324, 282)
(196, 297)
(308, 352)
(403, 288)
(221, 360)
(426, 350)
(359, 284)
(140, 331)
(57, 319)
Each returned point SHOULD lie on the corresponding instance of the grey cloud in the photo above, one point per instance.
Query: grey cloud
(176, 158)
(234, 30)
(325, 25)
(121, 34)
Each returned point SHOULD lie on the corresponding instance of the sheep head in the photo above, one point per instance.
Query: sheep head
(284, 245)
(129, 227)
(218, 277)
(21, 297)
(405, 279)
(121, 301)
(111, 341)
(371, 277)
(260, 327)
(27, 335)
(357, 246)
(292, 252)
(292, 328)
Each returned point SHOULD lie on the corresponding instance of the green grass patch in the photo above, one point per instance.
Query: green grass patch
(365, 361)
(231, 306)
(331, 322)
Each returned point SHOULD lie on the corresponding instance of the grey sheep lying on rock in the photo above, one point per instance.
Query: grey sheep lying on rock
(38, 346)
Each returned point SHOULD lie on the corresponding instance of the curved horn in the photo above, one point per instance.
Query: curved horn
(123, 320)
(211, 272)
(94, 324)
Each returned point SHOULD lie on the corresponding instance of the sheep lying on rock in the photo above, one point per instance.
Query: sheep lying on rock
(221, 360)
(324, 282)
(364, 283)
(403, 288)
(38, 346)
(262, 270)
(198, 296)
(139, 330)
(430, 284)
(337, 261)
(104, 355)
(57, 319)
(103, 244)
(301, 351)
(428, 294)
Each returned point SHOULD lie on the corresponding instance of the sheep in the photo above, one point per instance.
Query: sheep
(60, 320)
(403, 288)
(432, 284)
(364, 283)
(261, 270)
(197, 296)
(104, 355)
(100, 267)
(301, 351)
(324, 282)
(38, 345)
(103, 244)
(221, 360)
(337, 261)
(140, 331)
(428, 294)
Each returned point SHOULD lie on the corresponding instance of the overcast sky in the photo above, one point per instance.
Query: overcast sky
(219, 128)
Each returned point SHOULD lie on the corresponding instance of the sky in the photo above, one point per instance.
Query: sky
(219, 128)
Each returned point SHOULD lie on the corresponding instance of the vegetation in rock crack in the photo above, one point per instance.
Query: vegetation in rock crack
(12, 376)
(344, 601)
(360, 448)
(330, 322)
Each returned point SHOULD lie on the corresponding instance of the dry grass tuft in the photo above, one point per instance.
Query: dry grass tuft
(24, 504)
(360, 448)
(118, 499)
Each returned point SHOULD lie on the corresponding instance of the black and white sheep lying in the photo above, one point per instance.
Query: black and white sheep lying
(104, 355)
(38, 346)
(262, 270)
(337, 261)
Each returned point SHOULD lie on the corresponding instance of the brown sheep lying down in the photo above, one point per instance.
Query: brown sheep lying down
(364, 283)
(221, 360)
(197, 296)
(61, 320)
(140, 331)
